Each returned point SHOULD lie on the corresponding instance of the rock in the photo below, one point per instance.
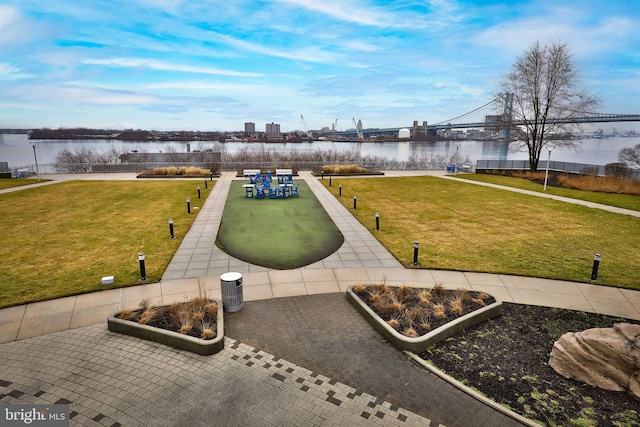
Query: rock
(608, 358)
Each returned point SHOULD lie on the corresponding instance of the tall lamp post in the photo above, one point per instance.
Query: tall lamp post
(546, 175)
(35, 157)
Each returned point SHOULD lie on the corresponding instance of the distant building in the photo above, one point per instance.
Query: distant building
(272, 128)
(419, 132)
(250, 127)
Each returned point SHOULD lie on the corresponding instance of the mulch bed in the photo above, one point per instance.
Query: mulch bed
(506, 358)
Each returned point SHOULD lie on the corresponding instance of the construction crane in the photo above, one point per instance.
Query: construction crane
(306, 128)
(334, 129)
(358, 129)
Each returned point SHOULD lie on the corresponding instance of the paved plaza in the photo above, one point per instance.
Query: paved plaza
(296, 354)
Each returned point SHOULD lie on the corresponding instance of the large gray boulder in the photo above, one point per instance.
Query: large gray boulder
(608, 358)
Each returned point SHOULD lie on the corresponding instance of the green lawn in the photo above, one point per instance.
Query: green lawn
(625, 201)
(277, 233)
(61, 239)
(10, 183)
(467, 227)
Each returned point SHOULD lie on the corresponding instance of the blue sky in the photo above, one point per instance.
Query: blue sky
(213, 65)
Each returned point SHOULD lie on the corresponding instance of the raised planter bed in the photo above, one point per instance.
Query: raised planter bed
(171, 338)
(420, 344)
(215, 175)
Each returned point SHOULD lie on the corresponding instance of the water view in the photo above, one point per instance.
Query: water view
(18, 151)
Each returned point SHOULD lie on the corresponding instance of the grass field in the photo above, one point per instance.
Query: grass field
(61, 239)
(11, 183)
(277, 233)
(468, 227)
(625, 201)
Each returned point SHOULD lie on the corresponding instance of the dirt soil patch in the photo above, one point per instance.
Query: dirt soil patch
(506, 358)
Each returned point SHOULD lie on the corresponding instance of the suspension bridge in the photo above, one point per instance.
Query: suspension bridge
(495, 118)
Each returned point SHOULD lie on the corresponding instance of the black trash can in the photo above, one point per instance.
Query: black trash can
(231, 284)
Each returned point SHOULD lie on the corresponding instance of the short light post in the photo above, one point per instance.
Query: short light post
(198, 192)
(171, 228)
(210, 176)
(206, 185)
(596, 264)
(329, 180)
(377, 221)
(416, 245)
(340, 190)
(322, 174)
(455, 164)
(546, 175)
(355, 202)
(143, 271)
(35, 157)
(188, 205)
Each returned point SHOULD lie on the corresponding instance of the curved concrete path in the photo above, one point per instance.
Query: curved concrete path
(110, 379)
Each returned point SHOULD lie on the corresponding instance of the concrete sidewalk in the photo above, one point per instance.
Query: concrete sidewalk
(110, 379)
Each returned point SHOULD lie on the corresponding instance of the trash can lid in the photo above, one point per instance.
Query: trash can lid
(231, 276)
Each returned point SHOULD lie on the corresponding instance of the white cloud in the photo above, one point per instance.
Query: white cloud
(8, 15)
(165, 66)
(10, 72)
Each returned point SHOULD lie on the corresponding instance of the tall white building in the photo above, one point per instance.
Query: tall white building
(249, 127)
(272, 128)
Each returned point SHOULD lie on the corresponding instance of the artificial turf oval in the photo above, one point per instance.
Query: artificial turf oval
(280, 234)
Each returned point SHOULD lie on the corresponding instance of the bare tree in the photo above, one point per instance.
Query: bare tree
(543, 84)
(630, 155)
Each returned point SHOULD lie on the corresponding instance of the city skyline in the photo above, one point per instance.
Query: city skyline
(210, 66)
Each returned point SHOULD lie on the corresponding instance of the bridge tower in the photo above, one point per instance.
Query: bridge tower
(507, 115)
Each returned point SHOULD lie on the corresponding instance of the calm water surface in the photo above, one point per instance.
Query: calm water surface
(18, 152)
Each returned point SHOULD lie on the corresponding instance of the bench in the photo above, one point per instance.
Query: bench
(287, 172)
(250, 172)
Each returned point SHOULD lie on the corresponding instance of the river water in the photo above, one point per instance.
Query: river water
(18, 151)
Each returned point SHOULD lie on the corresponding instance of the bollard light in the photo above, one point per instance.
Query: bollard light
(416, 245)
(210, 176)
(188, 205)
(198, 191)
(340, 186)
(329, 180)
(143, 271)
(355, 201)
(171, 228)
(378, 221)
(322, 173)
(206, 185)
(596, 264)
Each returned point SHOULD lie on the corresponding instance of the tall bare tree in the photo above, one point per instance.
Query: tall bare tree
(544, 87)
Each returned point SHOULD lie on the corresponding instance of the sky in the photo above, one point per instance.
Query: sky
(214, 65)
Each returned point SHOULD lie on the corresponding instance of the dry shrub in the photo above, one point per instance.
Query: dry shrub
(212, 309)
(456, 307)
(424, 297)
(393, 322)
(359, 288)
(193, 170)
(208, 329)
(479, 302)
(342, 169)
(438, 290)
(186, 324)
(404, 292)
(410, 332)
(439, 311)
(127, 314)
(147, 316)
